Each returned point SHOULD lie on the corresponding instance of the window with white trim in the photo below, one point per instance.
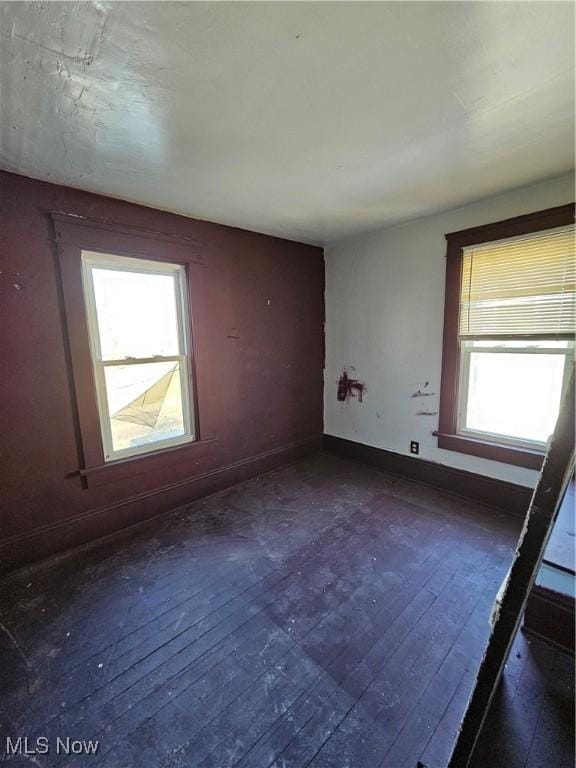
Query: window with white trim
(516, 336)
(137, 312)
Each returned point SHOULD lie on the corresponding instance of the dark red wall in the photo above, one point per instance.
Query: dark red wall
(260, 368)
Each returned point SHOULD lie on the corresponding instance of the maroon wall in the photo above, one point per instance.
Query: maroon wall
(259, 375)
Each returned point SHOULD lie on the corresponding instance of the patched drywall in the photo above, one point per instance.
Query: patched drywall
(384, 317)
(311, 121)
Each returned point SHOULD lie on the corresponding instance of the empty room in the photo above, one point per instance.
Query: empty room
(288, 314)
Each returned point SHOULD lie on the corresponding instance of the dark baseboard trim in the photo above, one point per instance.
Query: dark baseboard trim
(550, 616)
(509, 497)
(49, 540)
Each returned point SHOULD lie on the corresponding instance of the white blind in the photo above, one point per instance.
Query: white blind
(522, 286)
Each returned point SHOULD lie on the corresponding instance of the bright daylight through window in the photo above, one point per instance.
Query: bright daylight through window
(516, 334)
(140, 347)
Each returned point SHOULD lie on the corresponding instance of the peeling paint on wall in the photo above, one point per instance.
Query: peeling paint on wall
(349, 387)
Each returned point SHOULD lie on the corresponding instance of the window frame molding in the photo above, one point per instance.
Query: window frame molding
(72, 235)
(447, 433)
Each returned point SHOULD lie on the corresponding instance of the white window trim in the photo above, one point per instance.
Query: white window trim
(464, 387)
(92, 259)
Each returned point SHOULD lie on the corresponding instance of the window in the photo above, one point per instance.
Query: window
(510, 391)
(508, 336)
(139, 344)
(131, 298)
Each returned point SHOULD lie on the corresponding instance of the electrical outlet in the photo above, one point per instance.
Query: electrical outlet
(414, 446)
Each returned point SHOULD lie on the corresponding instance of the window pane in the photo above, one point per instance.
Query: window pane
(514, 395)
(136, 313)
(144, 403)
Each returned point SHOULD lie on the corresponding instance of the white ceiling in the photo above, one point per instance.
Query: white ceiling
(312, 121)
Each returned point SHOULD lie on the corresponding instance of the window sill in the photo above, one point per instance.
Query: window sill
(125, 469)
(520, 457)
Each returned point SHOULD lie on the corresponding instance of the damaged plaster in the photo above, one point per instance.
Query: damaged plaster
(349, 387)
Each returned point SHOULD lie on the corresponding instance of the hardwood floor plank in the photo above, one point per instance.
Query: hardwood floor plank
(343, 565)
(325, 615)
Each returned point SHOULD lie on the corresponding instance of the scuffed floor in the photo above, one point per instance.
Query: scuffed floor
(322, 615)
(531, 721)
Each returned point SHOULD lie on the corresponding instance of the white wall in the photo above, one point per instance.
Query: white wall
(384, 317)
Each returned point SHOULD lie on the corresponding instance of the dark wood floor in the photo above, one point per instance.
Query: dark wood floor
(324, 615)
(531, 722)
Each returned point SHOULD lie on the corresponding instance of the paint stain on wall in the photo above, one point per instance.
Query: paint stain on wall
(349, 387)
(423, 391)
(426, 413)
